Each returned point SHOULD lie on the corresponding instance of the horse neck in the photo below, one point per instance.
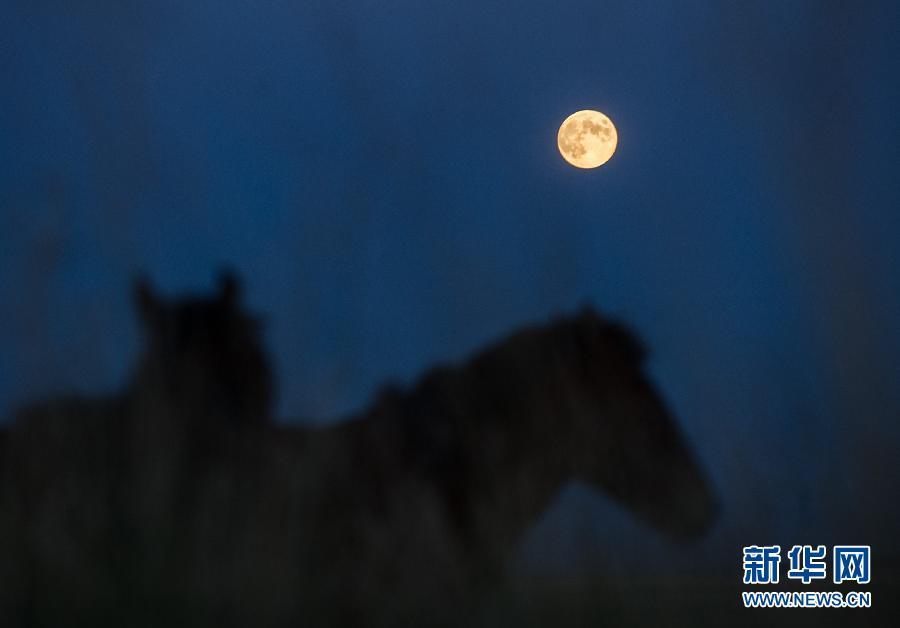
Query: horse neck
(490, 475)
(511, 488)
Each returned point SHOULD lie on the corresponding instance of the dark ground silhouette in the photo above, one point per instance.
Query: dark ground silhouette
(181, 501)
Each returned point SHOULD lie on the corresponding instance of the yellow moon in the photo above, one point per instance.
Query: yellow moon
(587, 139)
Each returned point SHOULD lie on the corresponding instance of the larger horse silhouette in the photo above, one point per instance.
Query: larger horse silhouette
(181, 500)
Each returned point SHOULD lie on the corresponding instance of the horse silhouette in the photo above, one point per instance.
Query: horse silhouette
(182, 498)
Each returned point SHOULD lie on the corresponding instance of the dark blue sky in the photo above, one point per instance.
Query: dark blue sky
(384, 175)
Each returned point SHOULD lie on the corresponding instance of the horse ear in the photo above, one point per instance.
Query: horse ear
(230, 287)
(145, 302)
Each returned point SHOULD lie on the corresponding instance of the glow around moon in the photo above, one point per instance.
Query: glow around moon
(587, 139)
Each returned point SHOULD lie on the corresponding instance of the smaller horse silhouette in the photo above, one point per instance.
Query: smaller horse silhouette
(93, 489)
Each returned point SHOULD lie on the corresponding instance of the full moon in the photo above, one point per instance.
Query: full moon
(587, 139)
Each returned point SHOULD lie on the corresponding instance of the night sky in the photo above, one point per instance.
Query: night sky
(384, 176)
